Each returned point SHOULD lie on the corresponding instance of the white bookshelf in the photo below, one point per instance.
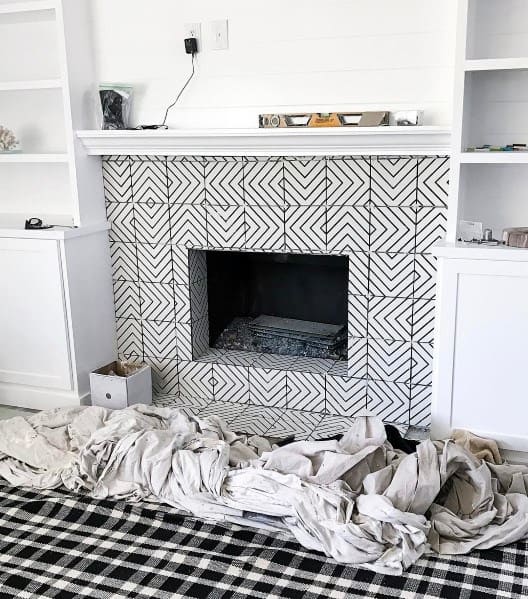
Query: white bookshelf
(490, 107)
(44, 87)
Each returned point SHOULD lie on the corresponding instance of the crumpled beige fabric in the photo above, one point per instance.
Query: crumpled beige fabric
(357, 500)
(484, 449)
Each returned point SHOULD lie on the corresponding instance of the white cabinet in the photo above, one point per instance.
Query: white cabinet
(481, 364)
(56, 317)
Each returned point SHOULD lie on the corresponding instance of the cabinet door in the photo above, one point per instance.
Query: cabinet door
(481, 363)
(34, 345)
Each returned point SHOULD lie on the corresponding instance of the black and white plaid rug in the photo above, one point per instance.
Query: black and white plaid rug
(57, 545)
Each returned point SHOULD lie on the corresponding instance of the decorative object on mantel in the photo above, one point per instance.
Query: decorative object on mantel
(407, 118)
(8, 141)
(506, 148)
(115, 105)
(471, 232)
(324, 119)
(516, 237)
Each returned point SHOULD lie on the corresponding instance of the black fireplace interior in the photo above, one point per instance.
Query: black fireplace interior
(304, 287)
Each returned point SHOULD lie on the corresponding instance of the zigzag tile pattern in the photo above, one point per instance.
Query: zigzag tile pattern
(384, 213)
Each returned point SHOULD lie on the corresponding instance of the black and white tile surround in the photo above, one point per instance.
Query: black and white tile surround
(383, 213)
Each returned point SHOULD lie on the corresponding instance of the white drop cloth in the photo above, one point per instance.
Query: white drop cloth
(357, 500)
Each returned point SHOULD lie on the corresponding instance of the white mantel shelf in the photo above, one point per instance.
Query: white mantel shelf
(385, 141)
(468, 251)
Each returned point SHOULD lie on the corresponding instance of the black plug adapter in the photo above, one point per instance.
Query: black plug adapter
(191, 45)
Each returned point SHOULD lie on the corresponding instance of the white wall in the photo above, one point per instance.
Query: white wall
(284, 55)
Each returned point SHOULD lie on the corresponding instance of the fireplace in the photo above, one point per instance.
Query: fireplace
(298, 301)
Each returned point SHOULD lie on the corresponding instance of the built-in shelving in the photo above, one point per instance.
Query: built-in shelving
(20, 157)
(30, 84)
(14, 8)
(494, 157)
(496, 64)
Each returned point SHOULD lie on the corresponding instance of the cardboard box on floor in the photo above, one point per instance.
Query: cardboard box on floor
(121, 384)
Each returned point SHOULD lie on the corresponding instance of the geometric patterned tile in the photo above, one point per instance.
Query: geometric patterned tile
(154, 262)
(117, 181)
(212, 356)
(267, 387)
(357, 315)
(225, 226)
(305, 391)
(152, 223)
(237, 358)
(159, 339)
(394, 181)
(305, 182)
(392, 230)
(420, 411)
(231, 383)
(182, 303)
(389, 401)
(126, 299)
(224, 183)
(305, 228)
(423, 321)
(196, 380)
(122, 222)
(197, 266)
(188, 225)
(184, 341)
(149, 181)
(263, 183)
(200, 337)
(345, 396)
(157, 301)
(129, 337)
(358, 273)
(431, 224)
(256, 420)
(227, 411)
(316, 365)
(199, 300)
(422, 363)
(264, 227)
(348, 181)
(424, 276)
(301, 424)
(124, 261)
(390, 318)
(164, 375)
(433, 181)
(330, 426)
(348, 229)
(274, 361)
(389, 360)
(391, 275)
(186, 182)
(180, 264)
(356, 366)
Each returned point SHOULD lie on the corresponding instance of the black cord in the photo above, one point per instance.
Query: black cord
(181, 92)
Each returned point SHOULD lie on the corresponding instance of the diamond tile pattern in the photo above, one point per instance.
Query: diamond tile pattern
(384, 213)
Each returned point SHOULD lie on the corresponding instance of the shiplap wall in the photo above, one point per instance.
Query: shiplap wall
(283, 55)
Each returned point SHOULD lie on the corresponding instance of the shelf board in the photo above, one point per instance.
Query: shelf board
(15, 8)
(30, 84)
(496, 64)
(494, 157)
(35, 158)
(465, 251)
(384, 141)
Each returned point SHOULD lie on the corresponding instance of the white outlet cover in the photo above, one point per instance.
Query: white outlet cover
(193, 30)
(219, 35)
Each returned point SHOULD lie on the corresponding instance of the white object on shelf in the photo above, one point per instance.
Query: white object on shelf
(57, 318)
(421, 140)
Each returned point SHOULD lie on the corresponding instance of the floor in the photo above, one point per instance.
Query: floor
(257, 420)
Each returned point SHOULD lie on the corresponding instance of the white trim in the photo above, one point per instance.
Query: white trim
(56, 233)
(494, 157)
(496, 64)
(469, 251)
(393, 141)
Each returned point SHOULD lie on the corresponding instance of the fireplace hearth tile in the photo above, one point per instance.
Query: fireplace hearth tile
(348, 181)
(154, 263)
(390, 401)
(301, 424)
(331, 426)
(358, 273)
(227, 411)
(305, 391)
(345, 396)
(389, 360)
(129, 337)
(305, 228)
(267, 387)
(196, 380)
(230, 383)
(256, 420)
(188, 225)
(348, 229)
(394, 181)
(391, 275)
(265, 228)
(200, 337)
(212, 356)
(276, 361)
(420, 409)
(164, 376)
(315, 365)
(186, 182)
(305, 182)
(236, 357)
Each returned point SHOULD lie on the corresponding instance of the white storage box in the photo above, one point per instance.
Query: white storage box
(119, 384)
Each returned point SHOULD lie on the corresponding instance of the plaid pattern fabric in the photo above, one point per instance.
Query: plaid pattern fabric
(54, 544)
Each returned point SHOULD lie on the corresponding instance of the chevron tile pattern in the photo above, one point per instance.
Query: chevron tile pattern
(384, 213)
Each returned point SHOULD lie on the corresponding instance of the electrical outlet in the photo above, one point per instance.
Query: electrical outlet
(194, 30)
(219, 35)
